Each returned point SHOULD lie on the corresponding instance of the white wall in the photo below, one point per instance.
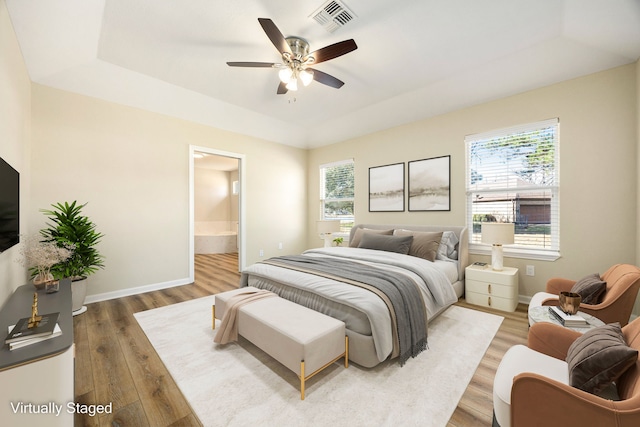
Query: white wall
(15, 124)
(598, 177)
(131, 166)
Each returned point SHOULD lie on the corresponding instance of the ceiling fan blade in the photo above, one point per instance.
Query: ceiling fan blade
(253, 64)
(282, 88)
(333, 51)
(326, 79)
(274, 35)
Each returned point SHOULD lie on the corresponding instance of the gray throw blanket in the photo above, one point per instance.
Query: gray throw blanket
(401, 291)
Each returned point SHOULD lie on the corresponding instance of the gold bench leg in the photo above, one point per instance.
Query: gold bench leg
(302, 380)
(346, 351)
(213, 316)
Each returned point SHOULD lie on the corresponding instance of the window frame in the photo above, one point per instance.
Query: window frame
(517, 251)
(344, 229)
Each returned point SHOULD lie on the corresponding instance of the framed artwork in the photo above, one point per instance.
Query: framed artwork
(386, 188)
(430, 184)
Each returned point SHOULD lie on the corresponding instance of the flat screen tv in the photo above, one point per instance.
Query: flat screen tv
(9, 206)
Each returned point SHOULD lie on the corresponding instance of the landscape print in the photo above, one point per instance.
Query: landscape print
(386, 188)
(429, 184)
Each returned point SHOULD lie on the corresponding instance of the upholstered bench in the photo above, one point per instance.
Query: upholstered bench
(301, 339)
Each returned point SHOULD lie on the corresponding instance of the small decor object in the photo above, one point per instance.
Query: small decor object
(22, 332)
(338, 241)
(570, 302)
(386, 188)
(39, 256)
(326, 228)
(430, 184)
(52, 286)
(34, 319)
(497, 234)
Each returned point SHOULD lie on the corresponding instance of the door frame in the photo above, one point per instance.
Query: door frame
(241, 204)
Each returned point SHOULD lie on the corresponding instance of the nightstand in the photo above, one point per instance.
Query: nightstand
(491, 288)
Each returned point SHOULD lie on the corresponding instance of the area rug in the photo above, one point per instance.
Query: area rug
(239, 385)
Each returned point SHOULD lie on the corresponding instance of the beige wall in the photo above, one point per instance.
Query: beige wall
(598, 146)
(131, 166)
(212, 195)
(15, 112)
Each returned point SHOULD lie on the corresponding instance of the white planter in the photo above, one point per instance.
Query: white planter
(78, 294)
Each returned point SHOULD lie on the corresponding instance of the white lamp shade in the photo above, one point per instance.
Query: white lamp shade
(306, 76)
(498, 233)
(285, 74)
(327, 227)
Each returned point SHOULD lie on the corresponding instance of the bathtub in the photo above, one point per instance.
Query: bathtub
(221, 242)
(215, 238)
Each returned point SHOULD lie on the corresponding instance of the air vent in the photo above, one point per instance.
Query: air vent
(333, 15)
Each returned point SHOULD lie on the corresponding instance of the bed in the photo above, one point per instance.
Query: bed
(428, 261)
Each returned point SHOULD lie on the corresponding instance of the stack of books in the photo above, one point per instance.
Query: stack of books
(20, 335)
(568, 320)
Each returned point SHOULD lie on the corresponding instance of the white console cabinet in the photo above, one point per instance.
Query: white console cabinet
(40, 377)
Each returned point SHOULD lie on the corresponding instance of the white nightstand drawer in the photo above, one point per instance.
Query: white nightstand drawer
(491, 288)
(505, 304)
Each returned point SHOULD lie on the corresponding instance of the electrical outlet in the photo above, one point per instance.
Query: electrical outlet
(531, 271)
(280, 245)
(261, 252)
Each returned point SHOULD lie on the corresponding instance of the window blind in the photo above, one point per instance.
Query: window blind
(337, 189)
(513, 176)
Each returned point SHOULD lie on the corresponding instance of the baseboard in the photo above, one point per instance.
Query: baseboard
(137, 290)
(524, 299)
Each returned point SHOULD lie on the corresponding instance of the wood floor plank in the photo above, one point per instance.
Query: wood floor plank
(113, 382)
(116, 363)
(160, 396)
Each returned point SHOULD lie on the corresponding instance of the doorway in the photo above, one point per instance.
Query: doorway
(219, 217)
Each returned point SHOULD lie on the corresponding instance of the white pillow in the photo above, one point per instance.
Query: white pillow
(447, 249)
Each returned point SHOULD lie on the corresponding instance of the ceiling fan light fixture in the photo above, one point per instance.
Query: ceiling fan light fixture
(293, 84)
(306, 76)
(285, 74)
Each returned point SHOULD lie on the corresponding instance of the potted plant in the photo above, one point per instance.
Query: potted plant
(68, 226)
(338, 241)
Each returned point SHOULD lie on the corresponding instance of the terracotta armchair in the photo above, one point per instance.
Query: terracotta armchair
(531, 386)
(623, 282)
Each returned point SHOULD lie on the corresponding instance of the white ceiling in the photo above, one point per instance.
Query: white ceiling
(415, 58)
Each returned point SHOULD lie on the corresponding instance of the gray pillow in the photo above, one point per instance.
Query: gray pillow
(599, 357)
(424, 245)
(590, 288)
(361, 231)
(381, 242)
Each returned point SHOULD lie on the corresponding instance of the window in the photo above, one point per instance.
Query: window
(337, 193)
(513, 176)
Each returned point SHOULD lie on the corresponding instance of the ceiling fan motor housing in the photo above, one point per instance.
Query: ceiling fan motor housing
(300, 50)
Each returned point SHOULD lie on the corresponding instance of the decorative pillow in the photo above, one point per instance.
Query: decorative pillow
(360, 231)
(382, 242)
(590, 288)
(425, 244)
(599, 357)
(447, 249)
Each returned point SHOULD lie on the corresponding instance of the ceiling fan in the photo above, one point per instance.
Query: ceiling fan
(297, 59)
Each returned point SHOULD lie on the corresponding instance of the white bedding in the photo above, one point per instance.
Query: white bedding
(433, 278)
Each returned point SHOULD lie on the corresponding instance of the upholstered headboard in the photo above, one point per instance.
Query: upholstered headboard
(460, 231)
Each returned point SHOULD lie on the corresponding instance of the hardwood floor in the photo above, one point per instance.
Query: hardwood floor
(115, 363)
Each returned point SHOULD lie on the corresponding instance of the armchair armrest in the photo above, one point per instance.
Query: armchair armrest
(537, 400)
(555, 285)
(550, 339)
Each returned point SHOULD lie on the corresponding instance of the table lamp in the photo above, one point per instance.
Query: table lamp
(497, 234)
(326, 229)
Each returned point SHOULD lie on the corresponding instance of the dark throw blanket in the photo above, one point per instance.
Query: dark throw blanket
(402, 292)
